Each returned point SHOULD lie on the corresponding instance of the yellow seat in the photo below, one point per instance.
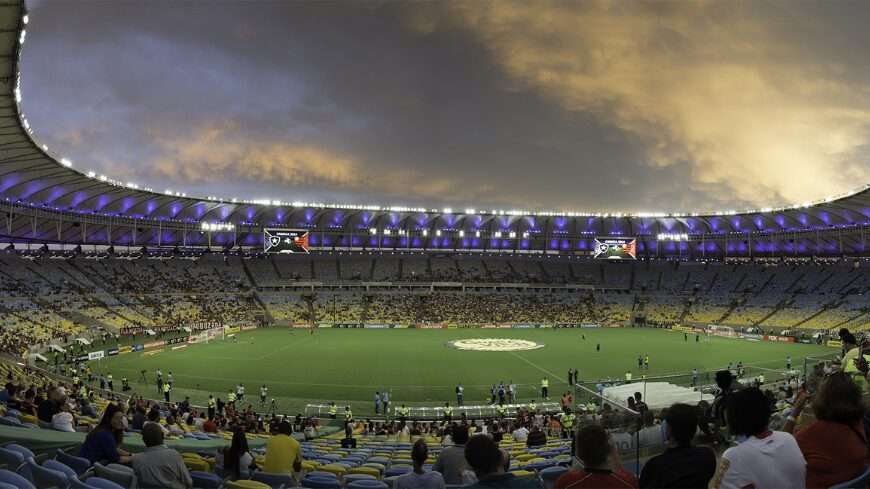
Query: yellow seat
(194, 464)
(29, 418)
(309, 465)
(525, 457)
(245, 484)
(523, 473)
(366, 470)
(333, 468)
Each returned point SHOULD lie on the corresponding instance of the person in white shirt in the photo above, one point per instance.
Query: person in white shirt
(63, 420)
(521, 434)
(763, 458)
(420, 478)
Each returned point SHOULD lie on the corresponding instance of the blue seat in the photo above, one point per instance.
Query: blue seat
(321, 473)
(59, 467)
(24, 451)
(100, 483)
(367, 484)
(204, 480)
(861, 481)
(275, 481)
(15, 480)
(6, 485)
(11, 458)
(320, 483)
(397, 471)
(79, 464)
(550, 474)
(44, 478)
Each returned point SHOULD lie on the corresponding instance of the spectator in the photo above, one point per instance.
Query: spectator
(51, 405)
(103, 442)
(139, 418)
(835, 444)
(283, 452)
(419, 478)
(210, 426)
(63, 420)
(237, 459)
(159, 467)
(521, 434)
(490, 465)
(765, 458)
(451, 461)
(172, 426)
(682, 465)
(601, 468)
(536, 438)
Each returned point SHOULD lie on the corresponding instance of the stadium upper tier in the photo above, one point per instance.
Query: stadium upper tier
(45, 199)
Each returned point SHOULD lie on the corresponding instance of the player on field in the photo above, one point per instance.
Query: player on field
(459, 391)
(240, 392)
(788, 362)
(646, 362)
(264, 391)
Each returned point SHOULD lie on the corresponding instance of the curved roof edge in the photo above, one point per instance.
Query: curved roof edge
(30, 175)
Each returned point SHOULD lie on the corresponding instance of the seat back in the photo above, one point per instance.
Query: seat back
(204, 480)
(11, 458)
(100, 483)
(275, 481)
(79, 464)
(122, 478)
(367, 484)
(15, 480)
(59, 467)
(862, 481)
(245, 484)
(45, 478)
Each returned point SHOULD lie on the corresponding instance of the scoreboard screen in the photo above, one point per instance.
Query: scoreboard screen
(615, 248)
(285, 240)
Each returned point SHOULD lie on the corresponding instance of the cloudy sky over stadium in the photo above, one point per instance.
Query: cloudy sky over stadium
(544, 105)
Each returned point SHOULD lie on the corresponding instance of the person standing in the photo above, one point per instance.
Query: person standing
(545, 388)
(211, 406)
(377, 403)
(459, 392)
(512, 392)
(167, 387)
(385, 398)
(264, 392)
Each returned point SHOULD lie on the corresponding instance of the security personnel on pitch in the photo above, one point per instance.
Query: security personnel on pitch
(348, 414)
(533, 408)
(109, 379)
(545, 388)
(211, 406)
(166, 389)
(448, 412)
(501, 411)
(333, 411)
(567, 423)
(231, 397)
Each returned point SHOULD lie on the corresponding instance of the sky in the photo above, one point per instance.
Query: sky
(533, 105)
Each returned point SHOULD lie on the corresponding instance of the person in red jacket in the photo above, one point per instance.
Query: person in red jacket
(835, 444)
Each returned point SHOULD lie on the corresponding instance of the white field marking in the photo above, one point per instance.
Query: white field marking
(533, 364)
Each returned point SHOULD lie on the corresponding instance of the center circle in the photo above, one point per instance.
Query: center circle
(495, 344)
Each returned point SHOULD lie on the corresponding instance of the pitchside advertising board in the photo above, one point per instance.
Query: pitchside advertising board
(615, 249)
(285, 240)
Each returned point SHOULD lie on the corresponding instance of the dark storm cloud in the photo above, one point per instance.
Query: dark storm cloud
(580, 106)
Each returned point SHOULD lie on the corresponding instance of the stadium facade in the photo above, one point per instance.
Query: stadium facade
(45, 200)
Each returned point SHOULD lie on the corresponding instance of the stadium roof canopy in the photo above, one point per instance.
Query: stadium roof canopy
(31, 178)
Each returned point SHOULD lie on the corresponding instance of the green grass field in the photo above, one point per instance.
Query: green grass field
(418, 367)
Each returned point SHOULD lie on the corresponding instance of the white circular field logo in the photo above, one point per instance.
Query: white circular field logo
(495, 344)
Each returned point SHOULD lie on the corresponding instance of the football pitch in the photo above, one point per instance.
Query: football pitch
(422, 366)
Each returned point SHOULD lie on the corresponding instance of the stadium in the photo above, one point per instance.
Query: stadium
(382, 326)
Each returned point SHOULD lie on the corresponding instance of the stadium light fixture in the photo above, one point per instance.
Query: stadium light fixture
(525, 235)
(438, 232)
(387, 232)
(497, 234)
(25, 19)
(448, 210)
(373, 231)
(512, 235)
(67, 163)
(477, 234)
(425, 232)
(461, 234)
